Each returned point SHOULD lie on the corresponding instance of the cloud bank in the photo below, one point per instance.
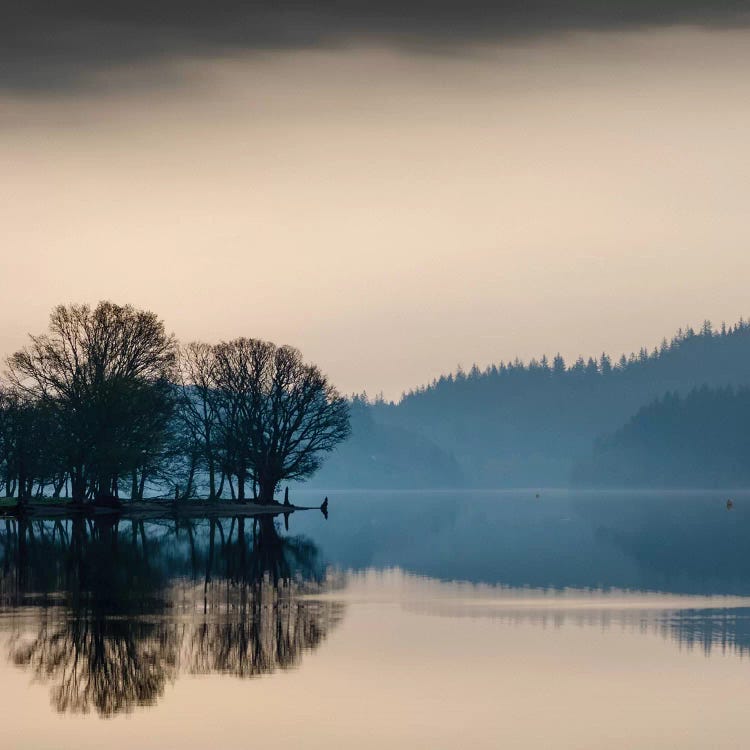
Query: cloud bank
(60, 45)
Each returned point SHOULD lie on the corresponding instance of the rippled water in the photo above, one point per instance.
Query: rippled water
(420, 620)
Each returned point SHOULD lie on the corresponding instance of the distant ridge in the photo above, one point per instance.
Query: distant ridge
(517, 424)
(698, 440)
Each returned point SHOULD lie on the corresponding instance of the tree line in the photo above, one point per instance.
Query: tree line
(710, 344)
(697, 440)
(520, 424)
(107, 404)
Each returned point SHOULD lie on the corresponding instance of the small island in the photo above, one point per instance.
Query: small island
(106, 413)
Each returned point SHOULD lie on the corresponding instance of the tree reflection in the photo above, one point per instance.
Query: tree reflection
(119, 609)
(100, 638)
(254, 620)
(725, 630)
(96, 662)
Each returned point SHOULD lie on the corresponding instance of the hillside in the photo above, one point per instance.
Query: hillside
(699, 440)
(381, 456)
(517, 424)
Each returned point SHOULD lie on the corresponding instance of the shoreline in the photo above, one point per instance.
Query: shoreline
(146, 509)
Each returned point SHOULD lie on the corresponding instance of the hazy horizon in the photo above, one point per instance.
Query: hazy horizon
(392, 208)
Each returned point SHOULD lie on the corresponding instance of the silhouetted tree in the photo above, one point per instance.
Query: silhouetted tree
(30, 446)
(104, 374)
(198, 407)
(235, 368)
(279, 415)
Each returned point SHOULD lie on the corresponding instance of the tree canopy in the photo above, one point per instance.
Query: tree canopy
(104, 375)
(106, 395)
(282, 414)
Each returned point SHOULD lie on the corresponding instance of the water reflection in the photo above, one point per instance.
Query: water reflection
(260, 622)
(109, 613)
(705, 622)
(680, 542)
(99, 663)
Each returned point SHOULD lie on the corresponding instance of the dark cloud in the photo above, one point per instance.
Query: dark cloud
(61, 44)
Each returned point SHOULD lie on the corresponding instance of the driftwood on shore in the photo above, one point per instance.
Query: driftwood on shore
(156, 508)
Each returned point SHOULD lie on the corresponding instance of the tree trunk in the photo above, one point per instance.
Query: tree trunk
(78, 485)
(191, 477)
(211, 480)
(241, 486)
(58, 485)
(22, 487)
(267, 489)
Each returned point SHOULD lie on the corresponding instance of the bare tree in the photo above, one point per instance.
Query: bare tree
(30, 446)
(283, 415)
(198, 410)
(105, 374)
(238, 365)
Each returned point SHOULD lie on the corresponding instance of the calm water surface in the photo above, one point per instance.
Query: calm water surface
(419, 620)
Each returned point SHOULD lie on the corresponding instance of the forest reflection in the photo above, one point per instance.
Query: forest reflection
(708, 628)
(712, 624)
(110, 612)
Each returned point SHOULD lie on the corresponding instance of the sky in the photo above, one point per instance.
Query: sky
(394, 188)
